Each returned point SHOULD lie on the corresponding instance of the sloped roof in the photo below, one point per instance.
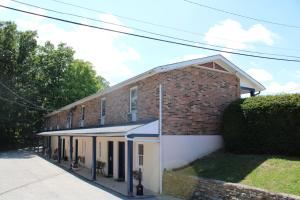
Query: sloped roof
(116, 130)
(245, 79)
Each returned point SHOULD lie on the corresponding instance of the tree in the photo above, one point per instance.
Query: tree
(36, 79)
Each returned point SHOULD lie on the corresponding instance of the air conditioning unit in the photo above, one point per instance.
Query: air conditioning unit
(81, 124)
(102, 120)
(132, 116)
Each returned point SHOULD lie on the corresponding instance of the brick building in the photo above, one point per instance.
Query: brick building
(163, 118)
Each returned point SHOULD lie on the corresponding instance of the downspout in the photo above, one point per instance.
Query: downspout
(160, 137)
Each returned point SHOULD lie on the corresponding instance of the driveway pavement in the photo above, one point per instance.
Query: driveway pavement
(26, 176)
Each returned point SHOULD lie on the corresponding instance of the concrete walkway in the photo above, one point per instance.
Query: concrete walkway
(25, 176)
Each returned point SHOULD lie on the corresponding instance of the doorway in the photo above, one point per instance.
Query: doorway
(63, 149)
(110, 157)
(121, 169)
(76, 151)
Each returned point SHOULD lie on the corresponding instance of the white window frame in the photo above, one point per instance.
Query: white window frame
(102, 117)
(138, 155)
(130, 108)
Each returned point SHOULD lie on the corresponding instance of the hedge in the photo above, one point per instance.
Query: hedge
(263, 125)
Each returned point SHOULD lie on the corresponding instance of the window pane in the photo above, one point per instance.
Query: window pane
(141, 149)
(82, 112)
(141, 160)
(133, 104)
(103, 107)
(99, 149)
(133, 99)
(133, 93)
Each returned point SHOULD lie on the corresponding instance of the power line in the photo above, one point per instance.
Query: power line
(153, 33)
(17, 95)
(240, 15)
(148, 37)
(20, 104)
(159, 25)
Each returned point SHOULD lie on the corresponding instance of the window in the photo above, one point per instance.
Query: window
(102, 111)
(82, 113)
(133, 99)
(82, 116)
(99, 149)
(140, 154)
(69, 120)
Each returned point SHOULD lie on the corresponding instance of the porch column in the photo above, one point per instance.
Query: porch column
(49, 147)
(130, 168)
(71, 151)
(94, 159)
(59, 149)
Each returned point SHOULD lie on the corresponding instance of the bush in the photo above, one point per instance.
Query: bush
(263, 125)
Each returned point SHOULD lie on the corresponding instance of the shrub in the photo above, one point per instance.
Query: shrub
(263, 125)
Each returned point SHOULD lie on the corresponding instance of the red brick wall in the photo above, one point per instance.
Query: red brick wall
(194, 99)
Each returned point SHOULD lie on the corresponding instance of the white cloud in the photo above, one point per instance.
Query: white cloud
(103, 49)
(260, 74)
(276, 88)
(186, 57)
(231, 34)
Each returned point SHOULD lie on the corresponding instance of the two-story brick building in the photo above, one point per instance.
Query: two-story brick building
(161, 119)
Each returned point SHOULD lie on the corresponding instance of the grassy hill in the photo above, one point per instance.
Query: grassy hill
(277, 174)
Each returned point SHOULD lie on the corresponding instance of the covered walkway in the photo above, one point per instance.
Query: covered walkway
(125, 136)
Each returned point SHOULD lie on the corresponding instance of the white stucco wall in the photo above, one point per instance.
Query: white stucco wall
(179, 150)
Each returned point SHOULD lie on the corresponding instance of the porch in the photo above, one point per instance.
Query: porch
(106, 182)
(117, 150)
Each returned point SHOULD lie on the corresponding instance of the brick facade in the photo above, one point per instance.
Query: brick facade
(193, 100)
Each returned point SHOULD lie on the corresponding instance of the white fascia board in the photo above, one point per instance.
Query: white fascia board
(240, 73)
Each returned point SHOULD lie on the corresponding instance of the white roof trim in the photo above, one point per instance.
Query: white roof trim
(219, 59)
(121, 131)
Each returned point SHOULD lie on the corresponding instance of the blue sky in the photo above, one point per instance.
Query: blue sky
(118, 57)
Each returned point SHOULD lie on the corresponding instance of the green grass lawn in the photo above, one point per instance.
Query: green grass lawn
(277, 174)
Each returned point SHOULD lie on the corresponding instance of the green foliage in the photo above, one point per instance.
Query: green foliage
(48, 77)
(263, 124)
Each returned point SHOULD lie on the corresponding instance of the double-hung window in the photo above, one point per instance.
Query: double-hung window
(82, 115)
(69, 120)
(103, 111)
(133, 103)
(140, 155)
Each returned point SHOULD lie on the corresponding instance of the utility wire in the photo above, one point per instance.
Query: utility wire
(159, 25)
(150, 38)
(153, 33)
(240, 15)
(17, 95)
(20, 104)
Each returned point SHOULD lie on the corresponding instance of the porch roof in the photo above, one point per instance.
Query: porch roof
(143, 129)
